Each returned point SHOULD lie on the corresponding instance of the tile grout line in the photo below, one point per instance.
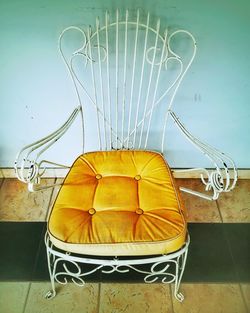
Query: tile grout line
(38, 250)
(171, 298)
(230, 251)
(1, 182)
(99, 298)
(26, 298)
(218, 207)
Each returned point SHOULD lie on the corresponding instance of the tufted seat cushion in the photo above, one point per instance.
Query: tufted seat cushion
(118, 203)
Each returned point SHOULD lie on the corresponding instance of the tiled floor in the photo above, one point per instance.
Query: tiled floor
(221, 289)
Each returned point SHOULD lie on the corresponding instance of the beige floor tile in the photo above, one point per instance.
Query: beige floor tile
(12, 296)
(199, 210)
(210, 298)
(131, 298)
(54, 194)
(235, 205)
(246, 293)
(70, 299)
(18, 204)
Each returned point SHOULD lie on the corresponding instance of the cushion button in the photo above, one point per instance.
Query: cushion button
(139, 211)
(92, 211)
(137, 177)
(98, 176)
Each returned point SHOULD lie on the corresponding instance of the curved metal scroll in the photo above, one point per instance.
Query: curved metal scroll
(217, 180)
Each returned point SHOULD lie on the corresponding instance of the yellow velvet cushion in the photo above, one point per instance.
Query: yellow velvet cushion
(118, 203)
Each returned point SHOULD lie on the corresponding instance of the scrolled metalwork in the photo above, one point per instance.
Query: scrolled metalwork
(158, 52)
(78, 50)
(109, 269)
(174, 34)
(152, 275)
(217, 180)
(27, 167)
(75, 276)
(160, 269)
(165, 268)
(161, 51)
(83, 50)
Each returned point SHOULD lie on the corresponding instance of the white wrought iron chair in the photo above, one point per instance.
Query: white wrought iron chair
(121, 201)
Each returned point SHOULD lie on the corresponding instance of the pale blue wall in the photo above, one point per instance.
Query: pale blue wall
(36, 95)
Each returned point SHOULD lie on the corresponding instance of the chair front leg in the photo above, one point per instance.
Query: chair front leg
(180, 267)
(52, 268)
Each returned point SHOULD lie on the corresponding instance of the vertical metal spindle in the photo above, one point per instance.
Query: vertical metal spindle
(116, 76)
(133, 76)
(150, 81)
(156, 87)
(124, 75)
(94, 87)
(108, 77)
(101, 82)
(141, 80)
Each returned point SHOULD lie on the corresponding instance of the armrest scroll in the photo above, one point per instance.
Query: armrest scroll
(217, 180)
(27, 166)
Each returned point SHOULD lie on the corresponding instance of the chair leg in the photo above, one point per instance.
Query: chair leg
(51, 266)
(180, 266)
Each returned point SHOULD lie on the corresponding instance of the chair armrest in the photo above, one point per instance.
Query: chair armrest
(27, 167)
(218, 179)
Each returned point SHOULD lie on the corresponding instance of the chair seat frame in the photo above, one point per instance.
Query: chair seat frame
(166, 269)
(30, 166)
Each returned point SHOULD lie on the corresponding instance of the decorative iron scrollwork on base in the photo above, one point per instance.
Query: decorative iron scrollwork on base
(66, 267)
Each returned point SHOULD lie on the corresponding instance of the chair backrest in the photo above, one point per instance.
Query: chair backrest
(126, 71)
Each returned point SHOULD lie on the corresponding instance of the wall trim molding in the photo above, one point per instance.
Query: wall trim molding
(61, 172)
